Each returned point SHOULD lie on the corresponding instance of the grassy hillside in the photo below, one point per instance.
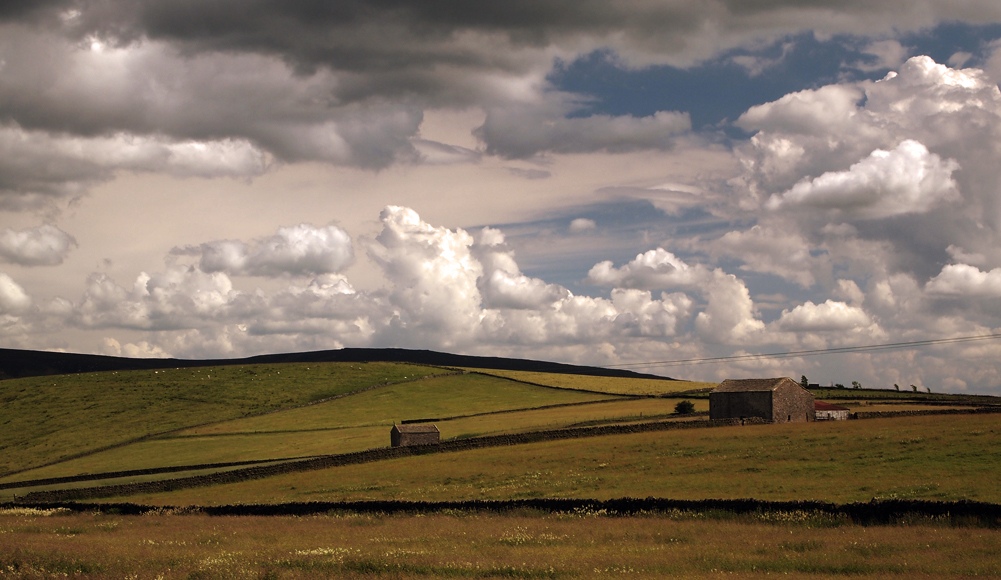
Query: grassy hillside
(46, 419)
(360, 421)
(611, 385)
(931, 457)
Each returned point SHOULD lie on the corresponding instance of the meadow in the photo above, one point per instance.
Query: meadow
(924, 457)
(479, 545)
(354, 423)
(51, 418)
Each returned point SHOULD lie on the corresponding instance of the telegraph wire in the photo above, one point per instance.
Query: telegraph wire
(813, 352)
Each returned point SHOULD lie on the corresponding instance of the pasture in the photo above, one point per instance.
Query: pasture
(925, 457)
(478, 545)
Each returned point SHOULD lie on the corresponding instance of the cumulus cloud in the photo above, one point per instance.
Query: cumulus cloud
(904, 168)
(446, 289)
(298, 250)
(965, 280)
(652, 269)
(45, 245)
(765, 249)
(582, 225)
(13, 298)
(830, 316)
(730, 316)
(908, 179)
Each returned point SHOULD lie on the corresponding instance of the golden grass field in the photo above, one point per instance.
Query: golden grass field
(473, 545)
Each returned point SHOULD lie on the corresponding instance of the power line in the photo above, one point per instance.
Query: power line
(814, 352)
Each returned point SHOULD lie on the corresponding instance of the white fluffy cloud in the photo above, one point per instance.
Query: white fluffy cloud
(830, 316)
(908, 179)
(45, 245)
(652, 269)
(297, 250)
(730, 316)
(13, 298)
(966, 280)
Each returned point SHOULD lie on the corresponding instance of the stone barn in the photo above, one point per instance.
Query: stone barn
(781, 400)
(828, 412)
(404, 435)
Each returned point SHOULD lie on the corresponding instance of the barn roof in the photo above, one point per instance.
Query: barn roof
(752, 385)
(416, 428)
(822, 406)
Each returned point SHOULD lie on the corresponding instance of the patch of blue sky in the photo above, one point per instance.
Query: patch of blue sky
(546, 248)
(717, 92)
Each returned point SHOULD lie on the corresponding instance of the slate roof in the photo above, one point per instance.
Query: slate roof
(752, 385)
(416, 428)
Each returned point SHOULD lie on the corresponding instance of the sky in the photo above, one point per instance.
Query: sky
(599, 183)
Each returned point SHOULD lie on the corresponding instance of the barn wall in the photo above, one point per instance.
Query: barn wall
(793, 404)
(832, 415)
(734, 405)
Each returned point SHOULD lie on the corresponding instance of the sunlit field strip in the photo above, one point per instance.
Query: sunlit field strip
(200, 450)
(611, 385)
(583, 545)
(535, 420)
(10, 494)
(927, 457)
(248, 446)
(369, 414)
(48, 418)
(431, 398)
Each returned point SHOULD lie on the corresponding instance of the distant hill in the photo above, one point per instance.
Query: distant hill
(32, 363)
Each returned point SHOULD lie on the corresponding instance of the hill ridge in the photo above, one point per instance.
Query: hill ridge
(17, 363)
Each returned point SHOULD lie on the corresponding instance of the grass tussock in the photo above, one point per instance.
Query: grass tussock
(480, 545)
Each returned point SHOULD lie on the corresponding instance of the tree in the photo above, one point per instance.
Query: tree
(856, 385)
(684, 407)
(896, 386)
(804, 382)
(839, 385)
(915, 388)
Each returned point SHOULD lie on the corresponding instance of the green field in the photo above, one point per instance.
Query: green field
(46, 419)
(354, 423)
(928, 457)
(611, 385)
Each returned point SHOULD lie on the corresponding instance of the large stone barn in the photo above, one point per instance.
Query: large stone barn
(828, 412)
(781, 400)
(418, 434)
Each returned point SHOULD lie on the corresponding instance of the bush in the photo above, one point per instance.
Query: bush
(684, 407)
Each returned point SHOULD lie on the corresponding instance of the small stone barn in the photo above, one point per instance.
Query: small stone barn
(828, 412)
(418, 434)
(781, 400)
